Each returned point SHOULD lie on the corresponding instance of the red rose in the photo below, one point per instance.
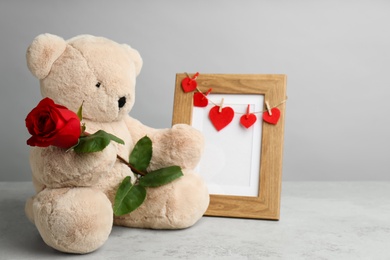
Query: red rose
(52, 124)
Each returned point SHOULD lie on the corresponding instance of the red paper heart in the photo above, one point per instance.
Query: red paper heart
(221, 119)
(272, 119)
(188, 84)
(200, 100)
(248, 120)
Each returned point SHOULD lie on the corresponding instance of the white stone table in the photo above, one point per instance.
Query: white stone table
(319, 220)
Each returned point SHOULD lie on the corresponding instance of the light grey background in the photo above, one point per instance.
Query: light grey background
(336, 55)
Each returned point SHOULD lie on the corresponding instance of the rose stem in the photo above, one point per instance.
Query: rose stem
(131, 166)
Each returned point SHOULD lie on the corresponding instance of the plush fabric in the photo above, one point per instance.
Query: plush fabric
(75, 192)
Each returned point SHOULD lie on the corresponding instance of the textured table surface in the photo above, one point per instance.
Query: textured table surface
(319, 220)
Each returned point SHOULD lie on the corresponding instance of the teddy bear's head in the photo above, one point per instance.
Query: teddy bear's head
(95, 71)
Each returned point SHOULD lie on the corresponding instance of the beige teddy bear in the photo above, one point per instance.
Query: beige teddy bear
(75, 192)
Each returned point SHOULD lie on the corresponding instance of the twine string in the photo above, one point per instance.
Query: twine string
(256, 112)
(220, 105)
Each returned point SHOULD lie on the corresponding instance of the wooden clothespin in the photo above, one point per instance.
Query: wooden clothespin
(268, 108)
(221, 105)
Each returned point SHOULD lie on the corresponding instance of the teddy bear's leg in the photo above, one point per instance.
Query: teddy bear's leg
(176, 205)
(28, 209)
(73, 220)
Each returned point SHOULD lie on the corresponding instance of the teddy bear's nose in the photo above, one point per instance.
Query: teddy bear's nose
(121, 102)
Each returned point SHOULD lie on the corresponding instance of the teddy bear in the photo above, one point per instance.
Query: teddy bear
(73, 205)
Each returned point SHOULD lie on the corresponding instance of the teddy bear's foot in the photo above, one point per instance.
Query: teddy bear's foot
(73, 220)
(176, 205)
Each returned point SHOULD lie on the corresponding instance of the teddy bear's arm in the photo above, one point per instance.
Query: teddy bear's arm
(180, 145)
(139, 130)
(56, 167)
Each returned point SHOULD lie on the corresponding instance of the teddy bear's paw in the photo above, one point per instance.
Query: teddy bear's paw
(177, 205)
(73, 220)
(181, 145)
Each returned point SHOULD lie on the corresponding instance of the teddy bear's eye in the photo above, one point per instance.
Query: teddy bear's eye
(98, 85)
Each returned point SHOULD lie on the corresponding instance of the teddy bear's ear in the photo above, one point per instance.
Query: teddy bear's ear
(43, 52)
(135, 57)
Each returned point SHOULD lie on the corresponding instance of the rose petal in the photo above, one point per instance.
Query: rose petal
(68, 135)
(46, 102)
(67, 114)
(48, 126)
(40, 142)
(57, 118)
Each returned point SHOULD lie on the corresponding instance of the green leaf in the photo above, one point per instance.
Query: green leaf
(128, 197)
(80, 112)
(161, 176)
(113, 138)
(142, 154)
(95, 142)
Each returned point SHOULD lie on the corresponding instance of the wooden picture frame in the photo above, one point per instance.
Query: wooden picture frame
(266, 203)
